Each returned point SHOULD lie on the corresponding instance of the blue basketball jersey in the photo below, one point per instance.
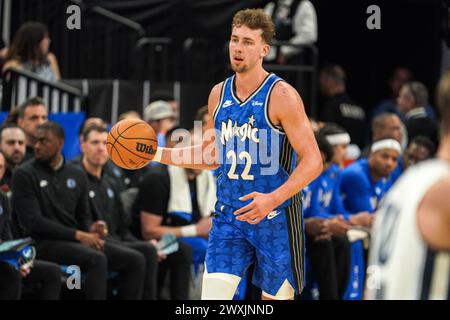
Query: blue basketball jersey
(254, 154)
(358, 190)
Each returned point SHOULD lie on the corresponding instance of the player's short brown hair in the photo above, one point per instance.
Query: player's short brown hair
(31, 102)
(255, 19)
(443, 102)
(90, 128)
(55, 128)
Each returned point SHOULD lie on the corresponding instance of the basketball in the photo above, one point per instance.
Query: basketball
(131, 144)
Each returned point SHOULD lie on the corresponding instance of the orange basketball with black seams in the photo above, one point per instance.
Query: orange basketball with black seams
(132, 144)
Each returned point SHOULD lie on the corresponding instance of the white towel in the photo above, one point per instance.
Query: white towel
(180, 197)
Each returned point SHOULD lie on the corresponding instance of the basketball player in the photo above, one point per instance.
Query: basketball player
(410, 251)
(258, 212)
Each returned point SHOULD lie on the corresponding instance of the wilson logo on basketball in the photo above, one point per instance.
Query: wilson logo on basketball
(142, 147)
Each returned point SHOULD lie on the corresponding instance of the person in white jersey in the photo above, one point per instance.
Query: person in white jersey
(410, 251)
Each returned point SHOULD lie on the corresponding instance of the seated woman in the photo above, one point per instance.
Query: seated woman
(29, 50)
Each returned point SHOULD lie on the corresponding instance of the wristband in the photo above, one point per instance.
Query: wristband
(158, 155)
(189, 231)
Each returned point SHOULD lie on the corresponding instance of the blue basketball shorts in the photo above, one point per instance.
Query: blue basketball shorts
(275, 245)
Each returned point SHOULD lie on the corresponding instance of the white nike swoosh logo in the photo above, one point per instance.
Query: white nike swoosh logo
(227, 104)
(273, 214)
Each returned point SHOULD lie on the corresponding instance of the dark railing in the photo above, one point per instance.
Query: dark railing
(19, 85)
(155, 60)
(112, 40)
(119, 19)
(296, 73)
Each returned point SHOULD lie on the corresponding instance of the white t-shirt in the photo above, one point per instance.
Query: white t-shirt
(304, 26)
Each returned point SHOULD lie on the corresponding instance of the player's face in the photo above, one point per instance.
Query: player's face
(94, 148)
(166, 124)
(13, 145)
(393, 128)
(45, 44)
(2, 166)
(324, 160)
(33, 117)
(340, 151)
(405, 101)
(324, 83)
(47, 145)
(414, 154)
(247, 49)
(400, 77)
(92, 121)
(175, 108)
(384, 161)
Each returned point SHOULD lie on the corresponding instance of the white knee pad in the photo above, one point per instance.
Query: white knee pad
(286, 292)
(219, 286)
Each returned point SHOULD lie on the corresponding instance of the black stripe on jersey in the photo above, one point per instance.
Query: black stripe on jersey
(216, 110)
(290, 156)
(295, 222)
(294, 219)
(286, 155)
(427, 274)
(296, 243)
(283, 154)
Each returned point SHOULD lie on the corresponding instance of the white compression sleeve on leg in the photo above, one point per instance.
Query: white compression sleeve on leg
(286, 292)
(219, 286)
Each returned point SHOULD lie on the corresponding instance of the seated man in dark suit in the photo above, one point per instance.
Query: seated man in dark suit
(46, 274)
(105, 204)
(412, 100)
(50, 198)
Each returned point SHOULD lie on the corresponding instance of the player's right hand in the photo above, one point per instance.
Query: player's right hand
(262, 204)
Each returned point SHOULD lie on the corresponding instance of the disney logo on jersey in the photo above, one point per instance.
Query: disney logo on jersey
(257, 103)
(245, 131)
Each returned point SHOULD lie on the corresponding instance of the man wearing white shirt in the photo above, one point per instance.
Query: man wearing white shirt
(295, 22)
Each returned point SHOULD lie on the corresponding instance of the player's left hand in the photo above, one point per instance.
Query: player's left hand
(256, 210)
